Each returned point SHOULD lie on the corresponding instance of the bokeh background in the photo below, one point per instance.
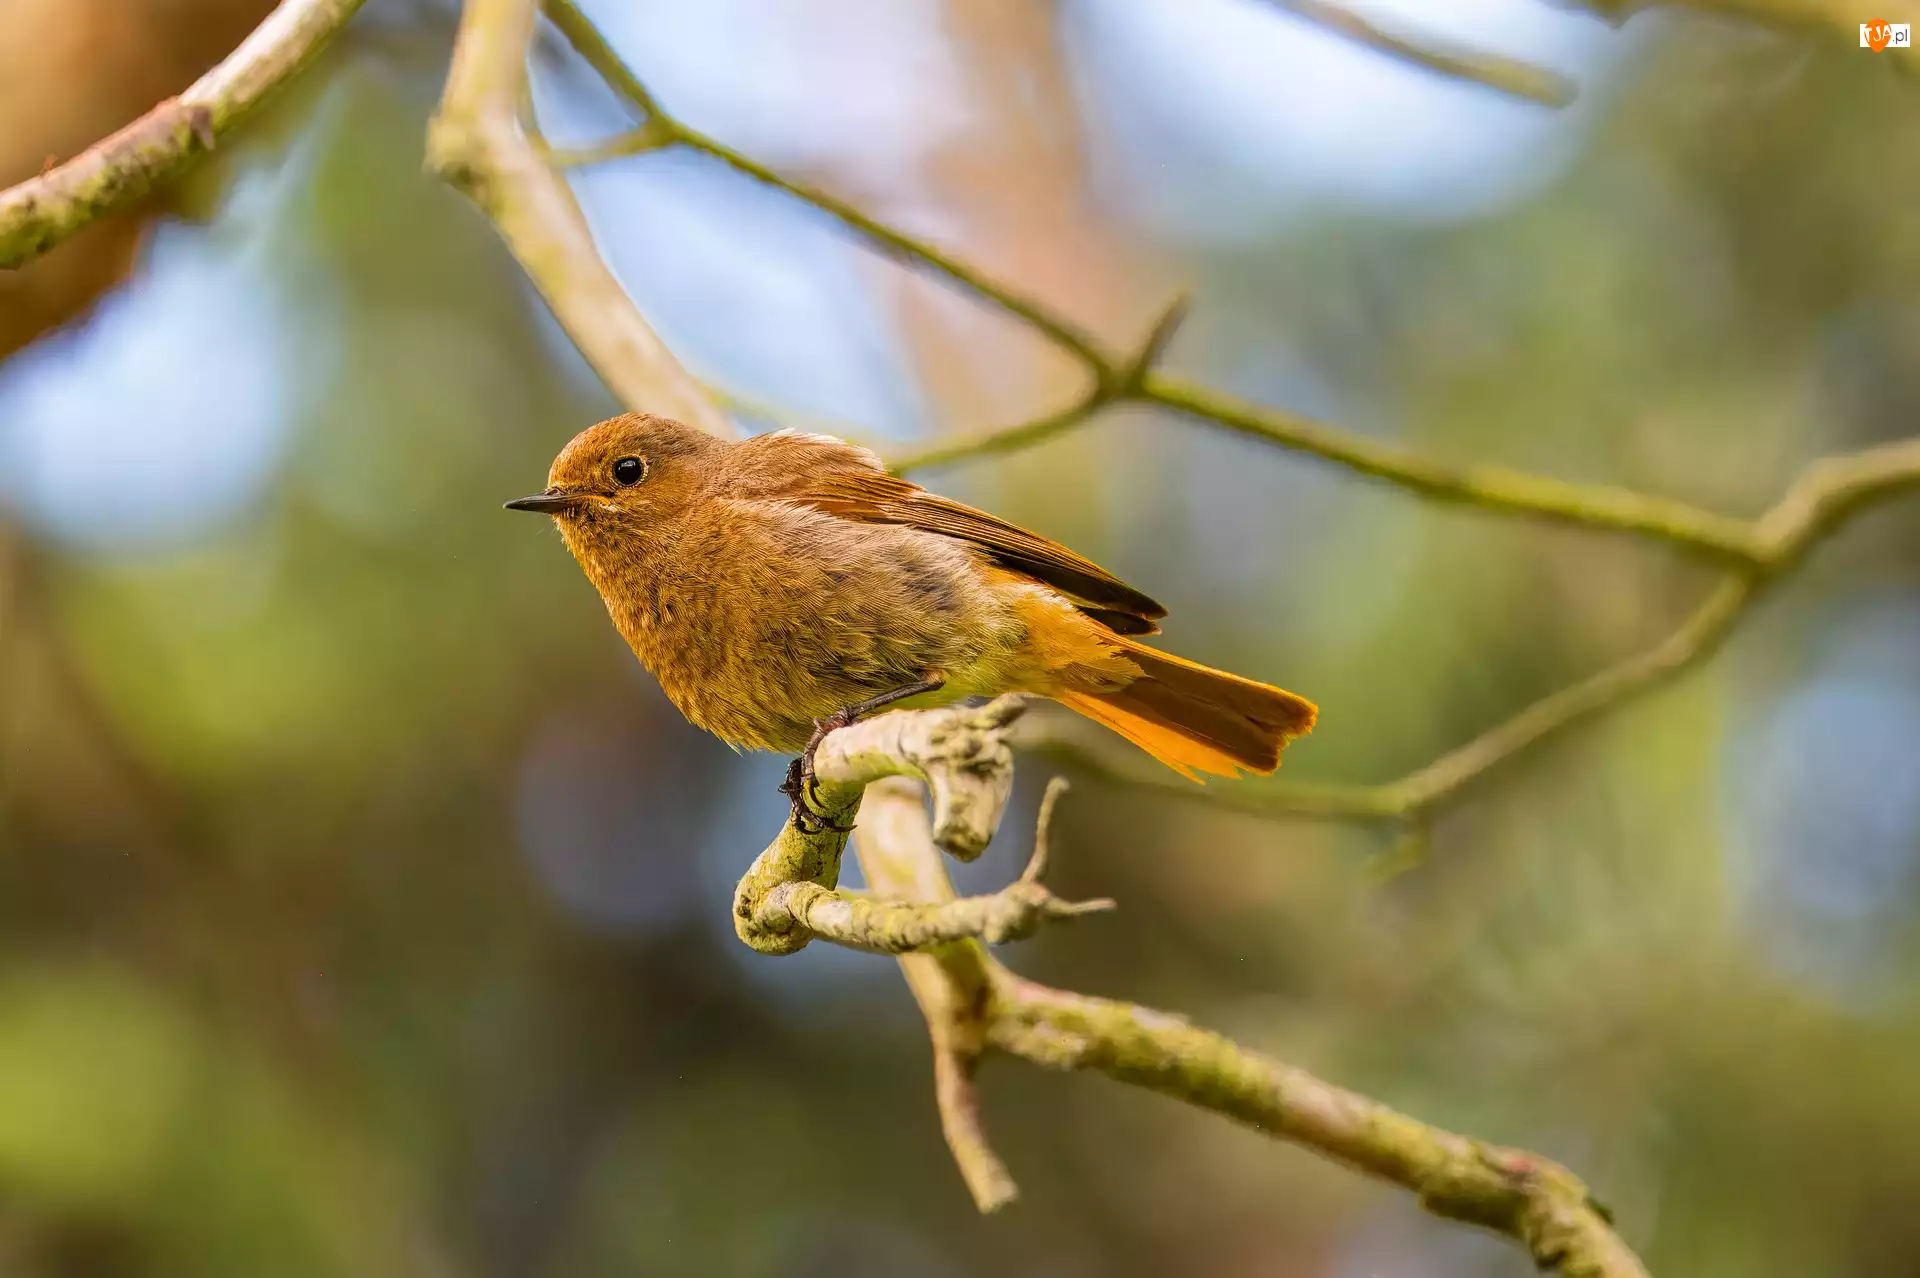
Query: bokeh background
(363, 906)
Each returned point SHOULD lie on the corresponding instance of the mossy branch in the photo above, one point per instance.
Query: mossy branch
(975, 1007)
(1534, 1201)
(112, 174)
(790, 895)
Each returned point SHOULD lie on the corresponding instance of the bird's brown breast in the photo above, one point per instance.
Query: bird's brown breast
(759, 617)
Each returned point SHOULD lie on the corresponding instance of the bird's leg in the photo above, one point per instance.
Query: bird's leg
(802, 788)
(847, 716)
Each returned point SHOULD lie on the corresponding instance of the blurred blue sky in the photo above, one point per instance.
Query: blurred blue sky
(1827, 802)
(1223, 116)
(167, 410)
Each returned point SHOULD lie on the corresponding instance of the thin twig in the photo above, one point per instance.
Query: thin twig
(1005, 439)
(1827, 495)
(1493, 488)
(593, 47)
(46, 210)
(1506, 75)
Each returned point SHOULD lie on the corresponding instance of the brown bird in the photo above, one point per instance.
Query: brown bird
(786, 584)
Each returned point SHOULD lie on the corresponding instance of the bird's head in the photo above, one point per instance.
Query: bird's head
(615, 483)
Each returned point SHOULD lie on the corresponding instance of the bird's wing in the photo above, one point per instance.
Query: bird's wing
(875, 497)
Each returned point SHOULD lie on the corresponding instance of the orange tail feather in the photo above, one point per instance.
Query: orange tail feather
(1196, 719)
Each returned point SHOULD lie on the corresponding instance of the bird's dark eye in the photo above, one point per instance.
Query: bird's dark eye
(629, 471)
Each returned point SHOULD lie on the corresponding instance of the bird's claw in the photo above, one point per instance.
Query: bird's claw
(802, 787)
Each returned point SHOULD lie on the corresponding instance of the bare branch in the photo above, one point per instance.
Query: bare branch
(1506, 75)
(1113, 383)
(1005, 439)
(1043, 829)
(947, 982)
(1493, 488)
(972, 1000)
(477, 142)
(1831, 492)
(44, 211)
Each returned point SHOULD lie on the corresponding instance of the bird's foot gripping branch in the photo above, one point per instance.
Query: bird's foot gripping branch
(790, 895)
(882, 771)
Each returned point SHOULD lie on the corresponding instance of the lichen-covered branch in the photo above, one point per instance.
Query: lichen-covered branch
(479, 142)
(976, 1007)
(790, 895)
(887, 926)
(962, 753)
(881, 926)
(44, 211)
(948, 982)
(1538, 1203)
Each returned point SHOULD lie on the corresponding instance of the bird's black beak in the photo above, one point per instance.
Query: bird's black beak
(551, 502)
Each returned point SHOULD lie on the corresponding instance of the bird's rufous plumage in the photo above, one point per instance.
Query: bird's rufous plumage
(772, 582)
